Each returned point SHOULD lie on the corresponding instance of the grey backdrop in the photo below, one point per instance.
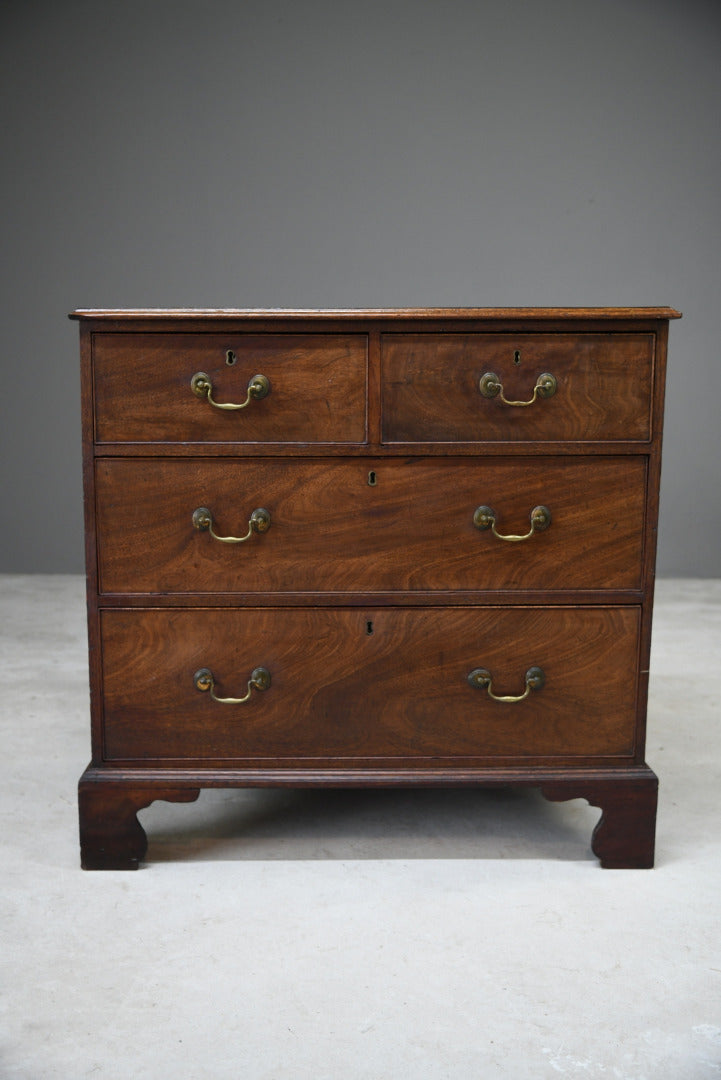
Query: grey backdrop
(377, 153)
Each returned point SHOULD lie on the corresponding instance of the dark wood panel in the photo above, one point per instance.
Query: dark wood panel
(388, 450)
(430, 386)
(518, 314)
(143, 392)
(422, 598)
(369, 525)
(340, 691)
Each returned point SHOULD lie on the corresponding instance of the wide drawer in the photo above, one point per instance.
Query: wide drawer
(367, 684)
(432, 387)
(364, 525)
(316, 388)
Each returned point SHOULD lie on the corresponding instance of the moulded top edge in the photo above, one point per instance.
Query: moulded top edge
(116, 314)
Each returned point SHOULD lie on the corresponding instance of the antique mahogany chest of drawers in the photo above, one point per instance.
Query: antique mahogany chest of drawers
(409, 547)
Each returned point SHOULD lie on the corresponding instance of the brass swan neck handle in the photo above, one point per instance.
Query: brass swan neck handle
(485, 518)
(491, 386)
(259, 523)
(202, 387)
(204, 680)
(480, 678)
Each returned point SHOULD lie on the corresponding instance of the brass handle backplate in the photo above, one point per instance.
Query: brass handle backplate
(491, 386)
(259, 523)
(202, 387)
(204, 680)
(485, 518)
(480, 679)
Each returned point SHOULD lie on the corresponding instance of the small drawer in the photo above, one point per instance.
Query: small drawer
(435, 386)
(160, 388)
(372, 524)
(368, 685)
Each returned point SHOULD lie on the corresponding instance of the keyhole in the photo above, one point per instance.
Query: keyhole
(230, 357)
(372, 481)
(517, 356)
(369, 627)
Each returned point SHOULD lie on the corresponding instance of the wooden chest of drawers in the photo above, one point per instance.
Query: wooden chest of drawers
(370, 548)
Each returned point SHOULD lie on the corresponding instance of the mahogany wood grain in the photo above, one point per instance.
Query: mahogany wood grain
(370, 602)
(410, 528)
(143, 394)
(431, 387)
(340, 691)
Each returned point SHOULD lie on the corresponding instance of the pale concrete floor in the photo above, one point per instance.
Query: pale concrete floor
(356, 935)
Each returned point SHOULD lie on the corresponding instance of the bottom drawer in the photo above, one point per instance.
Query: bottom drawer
(359, 684)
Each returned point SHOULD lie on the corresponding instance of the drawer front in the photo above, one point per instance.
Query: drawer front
(369, 525)
(431, 387)
(369, 684)
(143, 392)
